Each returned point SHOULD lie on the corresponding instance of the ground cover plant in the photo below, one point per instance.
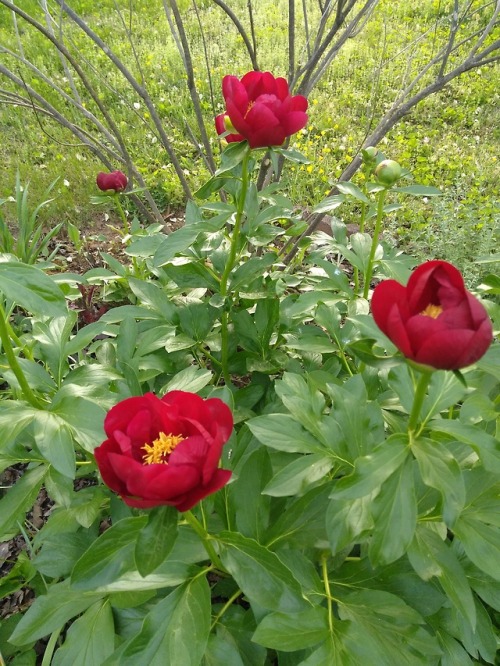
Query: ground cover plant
(245, 465)
(243, 441)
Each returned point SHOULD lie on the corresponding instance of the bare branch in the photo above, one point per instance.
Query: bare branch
(241, 30)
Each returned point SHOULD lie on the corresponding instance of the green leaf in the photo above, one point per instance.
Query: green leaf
(175, 632)
(329, 204)
(90, 639)
(212, 185)
(32, 289)
(352, 190)
(293, 155)
(196, 320)
(348, 520)
(264, 579)
(191, 274)
(395, 517)
(288, 632)
(55, 442)
(191, 379)
(156, 539)
(246, 273)
(384, 630)
(303, 521)
(177, 241)
(50, 612)
(109, 556)
(481, 542)
(440, 470)
(296, 477)
(282, 432)
(251, 508)
(372, 470)
(154, 296)
(485, 445)
(19, 499)
(232, 155)
(431, 557)
(222, 650)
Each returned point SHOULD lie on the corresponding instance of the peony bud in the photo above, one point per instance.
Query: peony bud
(388, 172)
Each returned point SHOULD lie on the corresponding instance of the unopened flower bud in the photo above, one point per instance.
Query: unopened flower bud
(369, 154)
(388, 172)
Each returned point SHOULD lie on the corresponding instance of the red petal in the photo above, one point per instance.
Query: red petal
(427, 279)
(164, 482)
(218, 481)
(233, 90)
(443, 350)
(293, 122)
(282, 90)
(385, 295)
(478, 345)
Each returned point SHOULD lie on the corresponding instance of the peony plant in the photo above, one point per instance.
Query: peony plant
(251, 460)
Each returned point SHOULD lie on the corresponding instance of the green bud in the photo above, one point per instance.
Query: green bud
(388, 172)
(369, 154)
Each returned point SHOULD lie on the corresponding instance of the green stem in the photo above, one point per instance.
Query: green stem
(376, 234)
(14, 364)
(361, 230)
(205, 538)
(121, 213)
(230, 265)
(326, 583)
(224, 608)
(51, 646)
(418, 400)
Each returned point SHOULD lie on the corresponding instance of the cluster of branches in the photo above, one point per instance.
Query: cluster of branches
(324, 30)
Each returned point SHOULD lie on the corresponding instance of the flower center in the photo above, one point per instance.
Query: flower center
(432, 311)
(250, 104)
(161, 448)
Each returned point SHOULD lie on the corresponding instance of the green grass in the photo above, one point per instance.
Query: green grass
(450, 140)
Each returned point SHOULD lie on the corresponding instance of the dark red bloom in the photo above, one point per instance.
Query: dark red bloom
(165, 451)
(434, 320)
(260, 109)
(116, 180)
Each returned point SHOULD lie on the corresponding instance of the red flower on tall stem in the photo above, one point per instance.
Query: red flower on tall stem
(116, 180)
(165, 451)
(260, 109)
(434, 320)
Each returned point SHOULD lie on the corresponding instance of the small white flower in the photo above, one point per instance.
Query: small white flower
(137, 105)
(66, 183)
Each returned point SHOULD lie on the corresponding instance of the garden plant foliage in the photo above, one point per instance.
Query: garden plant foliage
(244, 469)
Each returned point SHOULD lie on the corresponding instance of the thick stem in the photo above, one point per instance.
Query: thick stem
(13, 362)
(376, 234)
(418, 400)
(121, 213)
(230, 265)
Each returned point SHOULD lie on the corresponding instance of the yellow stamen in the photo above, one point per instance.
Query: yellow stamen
(161, 448)
(432, 311)
(250, 104)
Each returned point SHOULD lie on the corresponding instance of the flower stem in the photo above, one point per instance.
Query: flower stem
(230, 265)
(121, 213)
(326, 583)
(224, 608)
(205, 538)
(418, 400)
(14, 364)
(376, 234)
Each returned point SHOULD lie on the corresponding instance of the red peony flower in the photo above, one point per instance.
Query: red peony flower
(116, 180)
(434, 320)
(165, 451)
(260, 109)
